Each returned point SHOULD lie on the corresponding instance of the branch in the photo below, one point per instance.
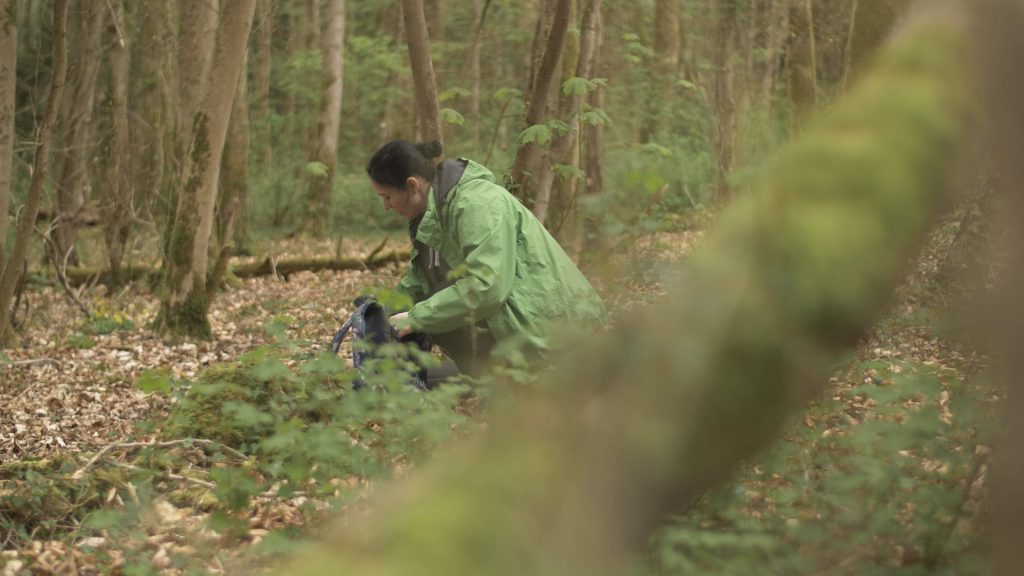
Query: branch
(78, 474)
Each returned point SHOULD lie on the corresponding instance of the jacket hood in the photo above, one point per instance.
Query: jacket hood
(476, 171)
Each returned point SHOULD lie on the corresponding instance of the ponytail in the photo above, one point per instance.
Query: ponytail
(396, 161)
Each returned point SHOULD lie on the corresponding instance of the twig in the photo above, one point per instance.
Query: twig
(33, 361)
(62, 271)
(169, 475)
(117, 25)
(377, 249)
(195, 441)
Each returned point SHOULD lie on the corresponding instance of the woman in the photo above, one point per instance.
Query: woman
(484, 274)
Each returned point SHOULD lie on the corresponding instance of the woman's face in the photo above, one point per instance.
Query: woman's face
(411, 202)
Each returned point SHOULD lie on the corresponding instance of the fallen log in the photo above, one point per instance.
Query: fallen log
(267, 267)
(286, 268)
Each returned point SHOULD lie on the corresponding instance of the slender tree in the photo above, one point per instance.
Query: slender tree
(231, 234)
(802, 63)
(73, 183)
(564, 144)
(325, 150)
(27, 218)
(196, 38)
(428, 110)
(117, 193)
(8, 80)
(184, 299)
(725, 97)
(667, 43)
(153, 104)
(264, 33)
(523, 184)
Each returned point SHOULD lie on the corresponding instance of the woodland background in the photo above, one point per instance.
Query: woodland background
(185, 218)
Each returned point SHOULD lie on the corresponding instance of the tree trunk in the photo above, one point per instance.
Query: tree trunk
(195, 44)
(1000, 44)
(725, 97)
(474, 73)
(523, 184)
(562, 145)
(871, 24)
(27, 218)
(73, 183)
(325, 151)
(117, 193)
(802, 64)
(427, 109)
(8, 82)
(644, 422)
(264, 36)
(184, 299)
(666, 65)
(232, 225)
(153, 101)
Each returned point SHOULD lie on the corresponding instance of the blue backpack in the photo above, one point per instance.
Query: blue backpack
(369, 324)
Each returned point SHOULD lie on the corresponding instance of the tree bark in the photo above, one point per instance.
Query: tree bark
(997, 28)
(562, 145)
(154, 102)
(196, 40)
(325, 151)
(264, 37)
(474, 73)
(665, 65)
(784, 294)
(117, 194)
(26, 222)
(802, 64)
(232, 221)
(523, 184)
(428, 110)
(8, 82)
(725, 97)
(871, 24)
(184, 299)
(73, 183)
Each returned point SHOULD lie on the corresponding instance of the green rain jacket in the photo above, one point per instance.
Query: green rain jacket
(509, 272)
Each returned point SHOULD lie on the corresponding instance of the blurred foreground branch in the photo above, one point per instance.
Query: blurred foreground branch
(573, 481)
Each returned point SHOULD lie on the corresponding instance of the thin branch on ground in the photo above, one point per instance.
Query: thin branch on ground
(131, 445)
(169, 475)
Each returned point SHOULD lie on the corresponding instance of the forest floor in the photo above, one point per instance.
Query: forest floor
(70, 394)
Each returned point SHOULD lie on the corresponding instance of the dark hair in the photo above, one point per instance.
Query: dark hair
(396, 161)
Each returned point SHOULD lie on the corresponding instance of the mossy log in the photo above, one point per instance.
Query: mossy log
(284, 268)
(574, 480)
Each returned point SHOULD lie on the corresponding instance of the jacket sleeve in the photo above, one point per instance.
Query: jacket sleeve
(486, 235)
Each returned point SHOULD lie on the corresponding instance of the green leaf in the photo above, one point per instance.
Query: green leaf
(577, 86)
(449, 116)
(630, 37)
(103, 519)
(317, 169)
(157, 380)
(557, 125)
(268, 370)
(686, 84)
(567, 171)
(538, 133)
(503, 94)
(454, 92)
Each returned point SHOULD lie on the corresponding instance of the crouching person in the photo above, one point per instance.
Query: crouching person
(486, 277)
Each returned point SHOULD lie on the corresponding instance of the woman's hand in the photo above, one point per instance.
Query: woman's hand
(401, 322)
